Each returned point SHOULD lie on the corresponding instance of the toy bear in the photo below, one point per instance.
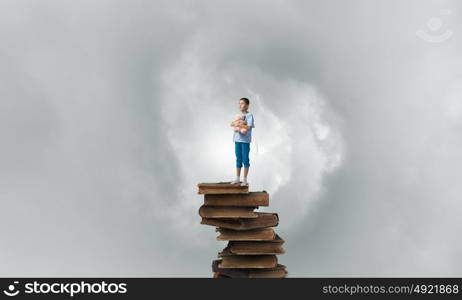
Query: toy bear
(239, 120)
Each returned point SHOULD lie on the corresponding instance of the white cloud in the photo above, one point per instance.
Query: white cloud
(294, 144)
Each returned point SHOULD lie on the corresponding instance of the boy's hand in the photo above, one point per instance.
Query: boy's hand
(238, 123)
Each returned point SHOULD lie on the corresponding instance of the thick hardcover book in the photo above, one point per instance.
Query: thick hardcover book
(222, 188)
(252, 199)
(277, 272)
(248, 261)
(253, 248)
(263, 220)
(260, 234)
(227, 212)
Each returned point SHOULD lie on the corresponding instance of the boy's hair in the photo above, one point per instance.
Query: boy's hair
(245, 100)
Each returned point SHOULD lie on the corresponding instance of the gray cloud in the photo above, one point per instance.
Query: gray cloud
(112, 111)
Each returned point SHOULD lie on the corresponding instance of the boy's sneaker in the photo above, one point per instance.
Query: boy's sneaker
(235, 181)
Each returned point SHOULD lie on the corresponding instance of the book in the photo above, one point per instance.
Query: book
(222, 188)
(273, 247)
(279, 271)
(262, 220)
(227, 212)
(252, 199)
(248, 261)
(259, 234)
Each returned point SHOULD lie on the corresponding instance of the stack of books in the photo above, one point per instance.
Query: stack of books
(253, 245)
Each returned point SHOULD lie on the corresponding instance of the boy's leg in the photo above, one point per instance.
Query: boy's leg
(246, 160)
(238, 151)
(245, 154)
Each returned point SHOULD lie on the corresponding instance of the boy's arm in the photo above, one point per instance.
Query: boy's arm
(239, 123)
(243, 126)
(250, 122)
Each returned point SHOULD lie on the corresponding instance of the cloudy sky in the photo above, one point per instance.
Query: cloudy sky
(111, 112)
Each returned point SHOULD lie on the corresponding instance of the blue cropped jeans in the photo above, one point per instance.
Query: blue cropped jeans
(242, 154)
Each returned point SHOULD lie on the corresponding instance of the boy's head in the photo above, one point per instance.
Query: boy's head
(244, 104)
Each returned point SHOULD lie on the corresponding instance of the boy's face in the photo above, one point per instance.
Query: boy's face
(243, 106)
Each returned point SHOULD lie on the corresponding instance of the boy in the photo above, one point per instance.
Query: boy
(242, 141)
